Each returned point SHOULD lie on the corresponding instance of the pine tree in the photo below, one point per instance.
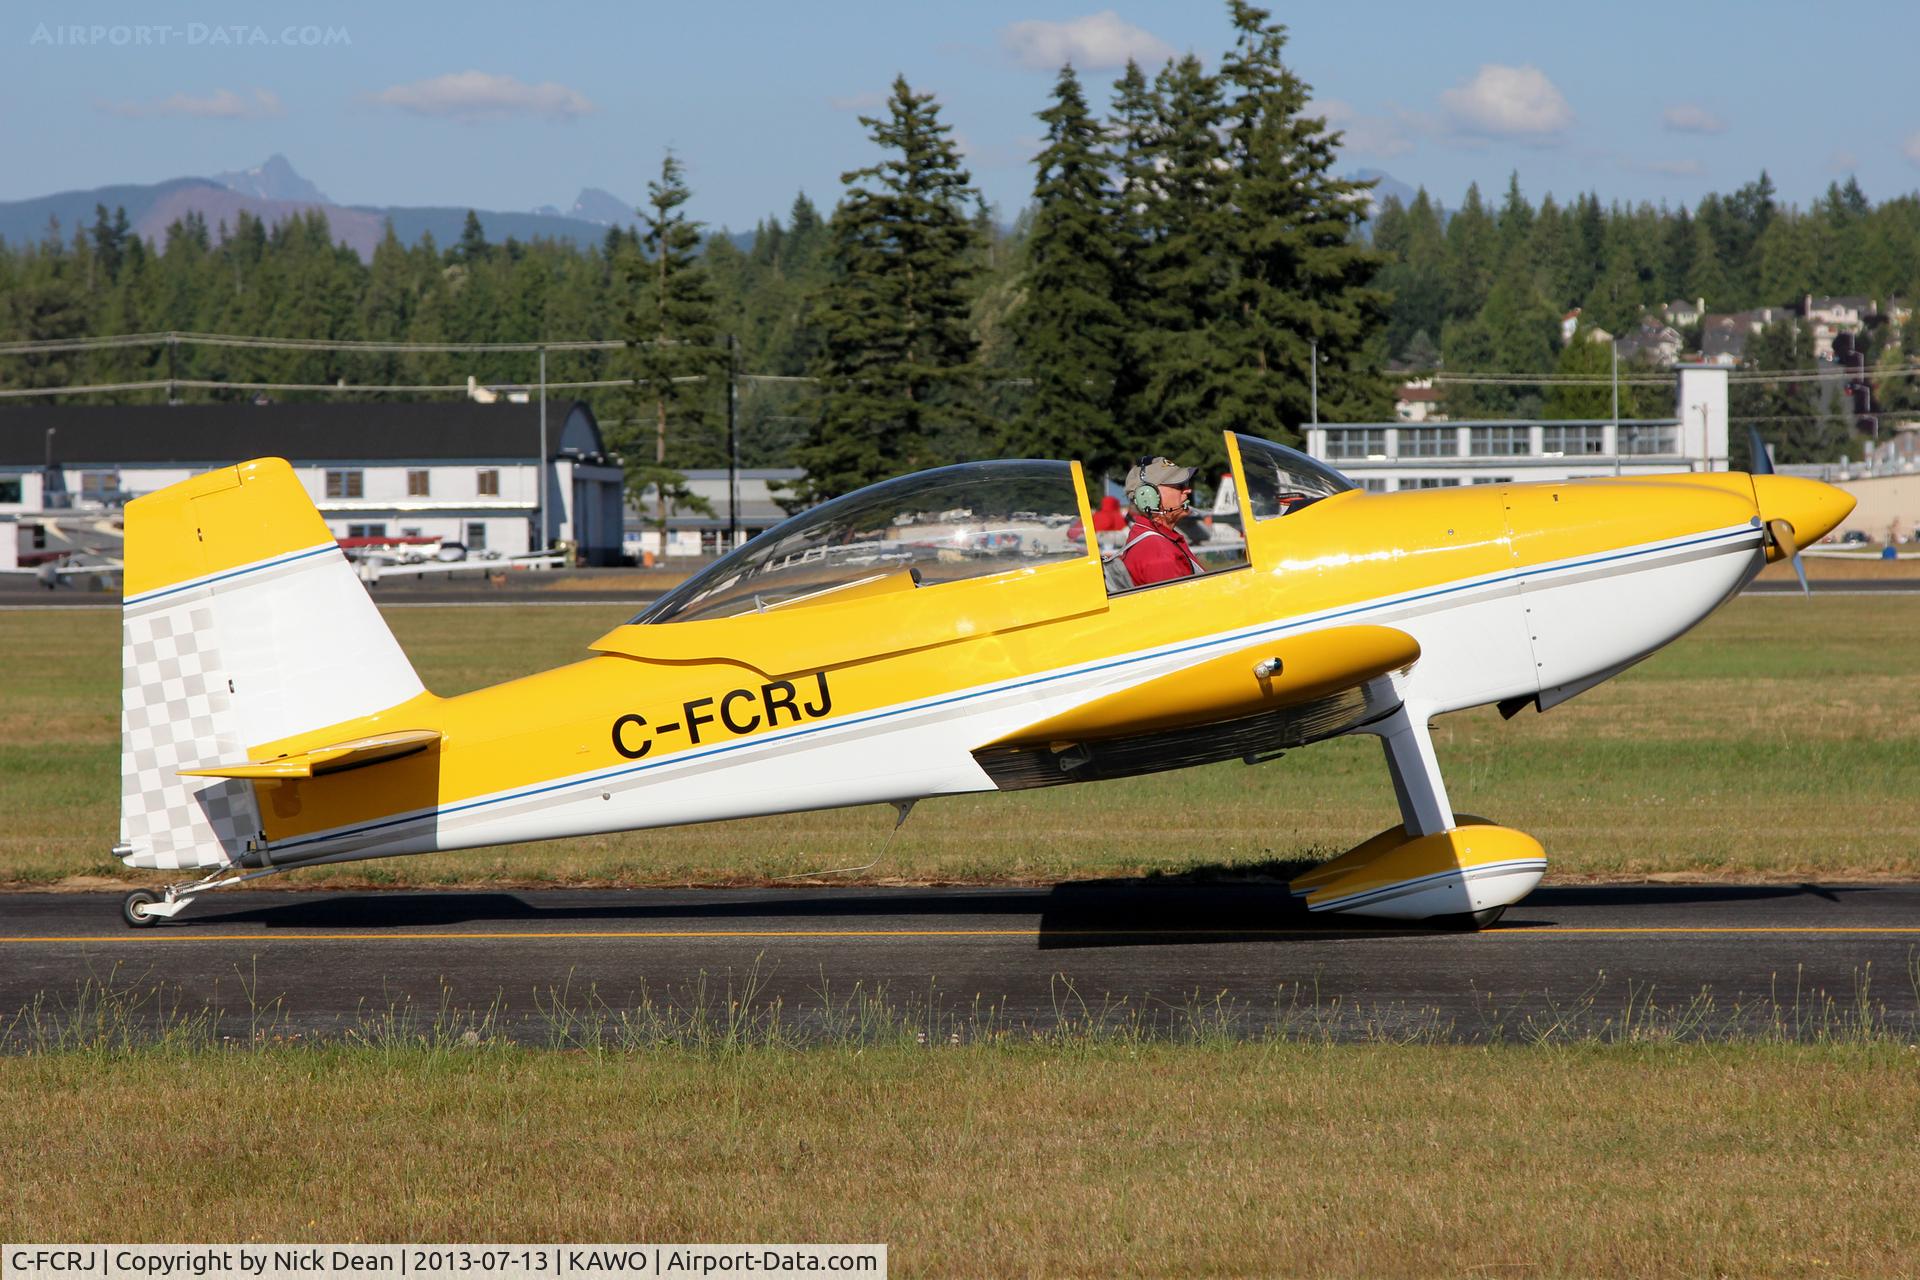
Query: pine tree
(1067, 328)
(1132, 211)
(1186, 372)
(1787, 411)
(674, 354)
(1582, 358)
(1301, 273)
(897, 357)
(1416, 279)
(1472, 253)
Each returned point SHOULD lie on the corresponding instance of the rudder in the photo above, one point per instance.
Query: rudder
(243, 625)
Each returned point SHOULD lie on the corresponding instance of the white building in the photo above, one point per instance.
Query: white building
(460, 472)
(1384, 456)
(693, 532)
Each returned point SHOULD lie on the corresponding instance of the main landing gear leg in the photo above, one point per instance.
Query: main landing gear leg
(1417, 784)
(144, 908)
(1433, 868)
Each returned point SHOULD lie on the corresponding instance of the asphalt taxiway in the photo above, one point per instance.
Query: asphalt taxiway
(1703, 959)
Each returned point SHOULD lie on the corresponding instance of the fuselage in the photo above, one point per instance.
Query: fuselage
(1513, 592)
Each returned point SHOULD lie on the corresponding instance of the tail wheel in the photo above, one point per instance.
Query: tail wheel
(133, 908)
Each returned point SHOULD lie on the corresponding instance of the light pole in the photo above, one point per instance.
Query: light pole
(1613, 346)
(1313, 375)
(540, 471)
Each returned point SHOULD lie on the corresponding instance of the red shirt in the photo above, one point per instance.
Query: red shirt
(1160, 556)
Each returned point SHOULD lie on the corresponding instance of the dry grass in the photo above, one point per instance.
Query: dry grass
(1780, 739)
(1038, 1159)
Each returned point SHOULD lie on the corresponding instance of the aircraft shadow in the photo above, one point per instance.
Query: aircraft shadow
(1073, 914)
(1079, 914)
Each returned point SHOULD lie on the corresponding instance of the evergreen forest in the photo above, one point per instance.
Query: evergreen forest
(1190, 261)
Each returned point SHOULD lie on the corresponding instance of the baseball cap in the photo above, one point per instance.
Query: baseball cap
(1159, 471)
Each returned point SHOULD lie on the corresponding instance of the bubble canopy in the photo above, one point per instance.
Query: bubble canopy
(920, 530)
(1281, 480)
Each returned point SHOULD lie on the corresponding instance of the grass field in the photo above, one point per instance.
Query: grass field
(1781, 739)
(1040, 1158)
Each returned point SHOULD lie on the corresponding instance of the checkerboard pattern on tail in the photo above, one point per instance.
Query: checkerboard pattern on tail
(177, 713)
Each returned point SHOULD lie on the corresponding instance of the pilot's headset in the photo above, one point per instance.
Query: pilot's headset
(1144, 497)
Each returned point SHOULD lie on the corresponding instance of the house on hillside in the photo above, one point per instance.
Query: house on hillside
(1680, 313)
(1651, 341)
(1724, 334)
(1829, 316)
(1418, 400)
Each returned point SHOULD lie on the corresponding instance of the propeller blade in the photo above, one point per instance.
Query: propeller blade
(1782, 534)
(1762, 460)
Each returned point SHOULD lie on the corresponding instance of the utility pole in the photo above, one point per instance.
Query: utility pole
(733, 442)
(540, 472)
(1313, 374)
(1613, 346)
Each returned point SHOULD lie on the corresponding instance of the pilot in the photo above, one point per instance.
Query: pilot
(1160, 495)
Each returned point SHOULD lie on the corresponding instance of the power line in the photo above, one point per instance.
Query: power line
(207, 384)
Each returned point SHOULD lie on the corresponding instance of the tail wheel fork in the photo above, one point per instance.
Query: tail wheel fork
(144, 908)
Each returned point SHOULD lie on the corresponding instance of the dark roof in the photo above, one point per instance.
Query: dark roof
(220, 433)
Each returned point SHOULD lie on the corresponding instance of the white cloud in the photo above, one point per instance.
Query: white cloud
(1097, 42)
(1676, 168)
(1691, 117)
(222, 104)
(1512, 102)
(858, 101)
(1842, 161)
(474, 95)
(1912, 148)
(1373, 135)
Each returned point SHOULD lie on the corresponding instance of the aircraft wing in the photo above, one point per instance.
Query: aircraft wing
(328, 759)
(1245, 704)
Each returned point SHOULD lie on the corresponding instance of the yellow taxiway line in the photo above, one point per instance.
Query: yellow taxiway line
(683, 934)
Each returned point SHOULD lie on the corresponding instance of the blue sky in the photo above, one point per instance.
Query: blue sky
(507, 107)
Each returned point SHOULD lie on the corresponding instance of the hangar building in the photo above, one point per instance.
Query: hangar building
(462, 472)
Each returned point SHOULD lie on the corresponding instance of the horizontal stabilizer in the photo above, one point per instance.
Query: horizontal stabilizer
(329, 759)
(1271, 675)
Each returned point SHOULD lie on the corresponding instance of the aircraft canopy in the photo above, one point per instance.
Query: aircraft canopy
(932, 527)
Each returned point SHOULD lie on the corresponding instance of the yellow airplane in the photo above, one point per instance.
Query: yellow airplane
(943, 632)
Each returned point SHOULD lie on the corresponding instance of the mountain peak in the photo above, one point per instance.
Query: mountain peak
(602, 207)
(274, 179)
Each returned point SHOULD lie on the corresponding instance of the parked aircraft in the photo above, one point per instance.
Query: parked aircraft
(929, 635)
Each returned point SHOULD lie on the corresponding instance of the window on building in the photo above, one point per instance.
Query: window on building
(490, 483)
(417, 485)
(100, 486)
(1498, 442)
(366, 531)
(1429, 442)
(1573, 440)
(345, 484)
(1645, 440)
(1373, 484)
(477, 529)
(12, 489)
(1357, 444)
(1430, 482)
(1493, 479)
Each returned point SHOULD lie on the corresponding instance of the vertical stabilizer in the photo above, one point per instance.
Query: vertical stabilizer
(243, 625)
